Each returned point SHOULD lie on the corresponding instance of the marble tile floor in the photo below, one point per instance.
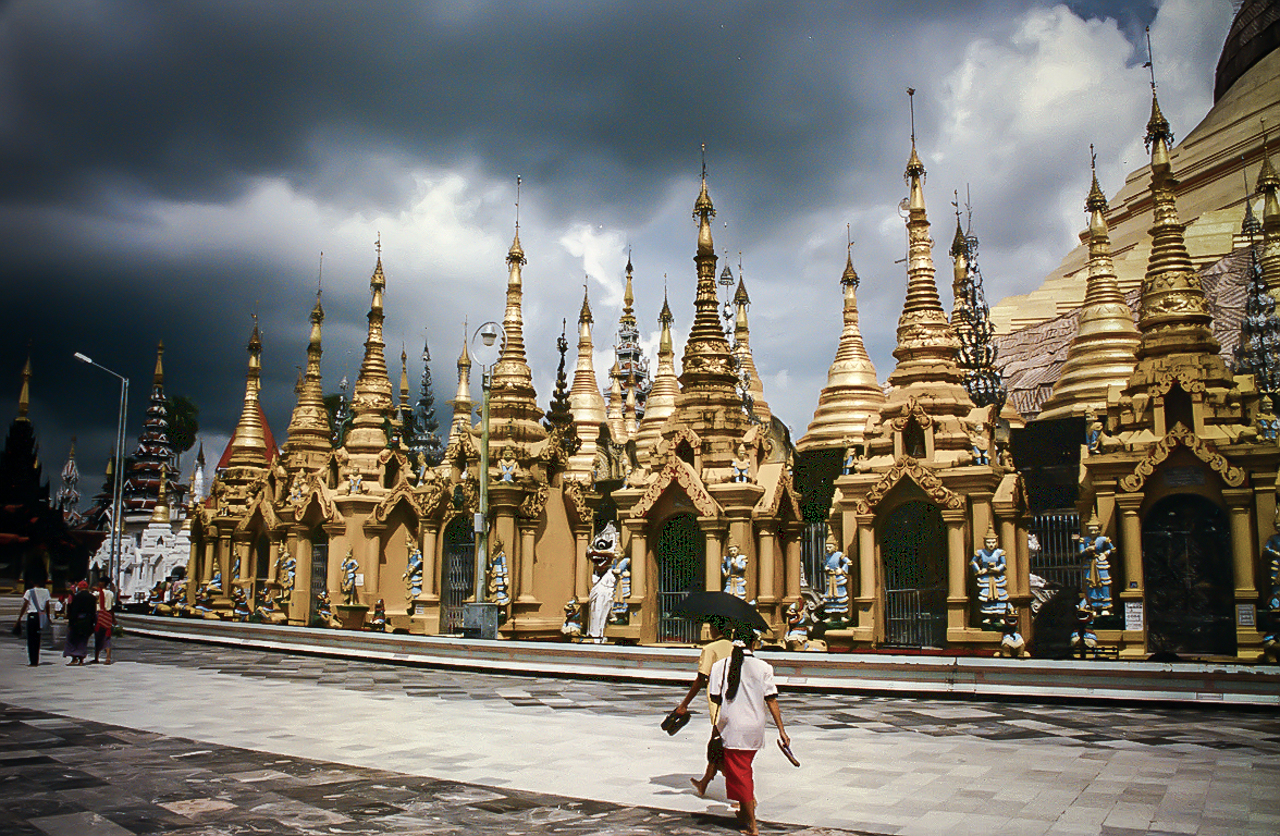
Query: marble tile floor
(168, 718)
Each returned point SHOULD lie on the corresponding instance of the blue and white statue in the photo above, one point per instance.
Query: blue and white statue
(413, 574)
(990, 570)
(733, 568)
(286, 575)
(1096, 549)
(836, 568)
(499, 586)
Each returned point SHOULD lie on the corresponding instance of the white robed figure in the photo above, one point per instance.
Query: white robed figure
(602, 554)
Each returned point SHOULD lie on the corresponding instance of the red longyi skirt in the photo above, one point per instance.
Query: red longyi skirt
(738, 782)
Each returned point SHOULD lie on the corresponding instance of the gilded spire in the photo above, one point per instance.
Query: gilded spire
(560, 415)
(927, 346)
(1102, 352)
(404, 381)
(629, 423)
(160, 513)
(586, 404)
(706, 378)
(662, 397)
(461, 403)
(157, 378)
(24, 394)
(248, 444)
(613, 412)
(513, 399)
(628, 300)
(852, 394)
(1174, 314)
(1269, 187)
(309, 434)
(372, 405)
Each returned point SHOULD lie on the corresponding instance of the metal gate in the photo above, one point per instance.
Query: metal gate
(681, 556)
(913, 548)
(1186, 567)
(1058, 558)
(319, 569)
(813, 549)
(458, 577)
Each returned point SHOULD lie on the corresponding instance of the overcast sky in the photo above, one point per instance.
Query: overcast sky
(167, 169)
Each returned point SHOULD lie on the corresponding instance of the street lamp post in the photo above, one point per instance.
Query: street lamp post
(117, 489)
(480, 618)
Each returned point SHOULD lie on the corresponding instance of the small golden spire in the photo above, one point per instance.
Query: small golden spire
(850, 276)
(404, 379)
(160, 513)
(1096, 201)
(628, 299)
(157, 379)
(24, 395)
(585, 314)
(515, 255)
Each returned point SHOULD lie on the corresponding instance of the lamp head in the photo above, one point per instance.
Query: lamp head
(489, 334)
(82, 358)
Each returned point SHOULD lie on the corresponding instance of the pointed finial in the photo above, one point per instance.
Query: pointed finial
(585, 314)
(320, 277)
(703, 207)
(516, 253)
(665, 317)
(1096, 201)
(157, 378)
(519, 180)
(1157, 126)
(1267, 178)
(1151, 62)
(24, 396)
(915, 168)
(377, 245)
(1251, 227)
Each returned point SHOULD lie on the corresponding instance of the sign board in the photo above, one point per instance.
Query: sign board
(1133, 615)
(359, 578)
(1181, 477)
(1246, 615)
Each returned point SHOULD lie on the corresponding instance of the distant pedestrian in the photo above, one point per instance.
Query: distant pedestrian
(718, 648)
(35, 606)
(81, 616)
(106, 621)
(743, 685)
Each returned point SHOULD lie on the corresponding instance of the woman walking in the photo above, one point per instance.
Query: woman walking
(35, 606)
(743, 686)
(105, 622)
(81, 620)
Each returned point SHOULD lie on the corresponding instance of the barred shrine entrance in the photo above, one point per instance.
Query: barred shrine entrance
(1186, 568)
(913, 552)
(457, 575)
(682, 555)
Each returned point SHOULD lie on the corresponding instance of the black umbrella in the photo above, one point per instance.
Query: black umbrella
(715, 602)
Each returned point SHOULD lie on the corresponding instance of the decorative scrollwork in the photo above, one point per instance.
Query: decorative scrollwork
(1180, 435)
(921, 475)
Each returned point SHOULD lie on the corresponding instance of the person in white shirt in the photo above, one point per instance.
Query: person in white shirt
(743, 686)
(35, 606)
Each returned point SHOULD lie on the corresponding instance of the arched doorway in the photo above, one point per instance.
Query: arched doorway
(913, 551)
(457, 575)
(1186, 567)
(682, 555)
(319, 570)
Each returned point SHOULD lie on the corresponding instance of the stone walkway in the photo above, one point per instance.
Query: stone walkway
(192, 739)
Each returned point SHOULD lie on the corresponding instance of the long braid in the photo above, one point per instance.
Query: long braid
(735, 672)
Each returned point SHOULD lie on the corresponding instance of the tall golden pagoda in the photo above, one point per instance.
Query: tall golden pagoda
(932, 486)
(248, 447)
(309, 441)
(513, 401)
(371, 402)
(460, 425)
(1172, 474)
(1268, 186)
(852, 395)
(1102, 352)
(708, 403)
(661, 402)
(586, 404)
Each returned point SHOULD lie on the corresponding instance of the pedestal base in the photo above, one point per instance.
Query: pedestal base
(479, 620)
(351, 616)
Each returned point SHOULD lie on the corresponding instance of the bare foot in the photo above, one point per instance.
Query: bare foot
(699, 786)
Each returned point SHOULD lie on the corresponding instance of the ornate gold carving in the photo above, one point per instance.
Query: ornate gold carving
(575, 499)
(531, 508)
(1185, 378)
(921, 475)
(401, 492)
(911, 409)
(431, 497)
(786, 486)
(1181, 435)
(675, 470)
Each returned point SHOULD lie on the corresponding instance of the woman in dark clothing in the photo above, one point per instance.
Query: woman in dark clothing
(81, 619)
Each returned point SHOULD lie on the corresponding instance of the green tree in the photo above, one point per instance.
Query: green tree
(184, 422)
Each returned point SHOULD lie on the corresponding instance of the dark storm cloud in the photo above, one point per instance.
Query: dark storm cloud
(168, 168)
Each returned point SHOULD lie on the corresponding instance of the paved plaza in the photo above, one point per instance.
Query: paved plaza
(199, 740)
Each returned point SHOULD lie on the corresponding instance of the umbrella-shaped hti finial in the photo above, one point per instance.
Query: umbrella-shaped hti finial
(714, 603)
